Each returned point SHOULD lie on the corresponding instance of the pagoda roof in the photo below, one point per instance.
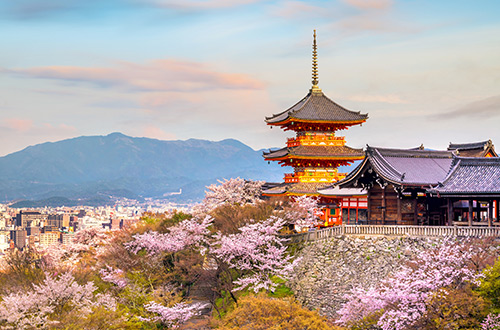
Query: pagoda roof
(296, 188)
(474, 149)
(330, 152)
(471, 176)
(317, 107)
(403, 167)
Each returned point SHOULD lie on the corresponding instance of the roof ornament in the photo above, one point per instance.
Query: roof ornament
(315, 79)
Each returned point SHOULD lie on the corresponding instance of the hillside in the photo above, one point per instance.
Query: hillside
(122, 166)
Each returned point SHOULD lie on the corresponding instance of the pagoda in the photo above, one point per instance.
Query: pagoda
(316, 152)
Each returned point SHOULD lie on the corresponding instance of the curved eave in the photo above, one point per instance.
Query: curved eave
(289, 120)
(353, 158)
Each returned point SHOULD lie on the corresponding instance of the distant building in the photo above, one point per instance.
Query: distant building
(18, 236)
(30, 219)
(49, 238)
(58, 220)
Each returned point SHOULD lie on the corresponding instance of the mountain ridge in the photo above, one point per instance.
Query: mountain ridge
(133, 167)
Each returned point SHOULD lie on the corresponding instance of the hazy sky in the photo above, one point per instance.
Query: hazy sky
(425, 71)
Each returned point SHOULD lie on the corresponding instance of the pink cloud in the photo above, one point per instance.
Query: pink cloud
(159, 75)
(155, 132)
(296, 9)
(28, 126)
(18, 124)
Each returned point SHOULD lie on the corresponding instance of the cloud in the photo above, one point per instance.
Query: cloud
(87, 9)
(485, 108)
(154, 132)
(17, 124)
(200, 4)
(299, 9)
(159, 76)
(369, 4)
(28, 126)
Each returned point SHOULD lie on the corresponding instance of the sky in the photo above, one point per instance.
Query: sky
(425, 71)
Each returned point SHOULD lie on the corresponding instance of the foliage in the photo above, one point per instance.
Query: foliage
(454, 308)
(490, 284)
(404, 297)
(262, 312)
(20, 270)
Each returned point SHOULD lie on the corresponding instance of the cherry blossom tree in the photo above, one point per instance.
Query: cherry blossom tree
(91, 240)
(258, 250)
(491, 322)
(34, 308)
(174, 316)
(304, 212)
(115, 276)
(190, 232)
(402, 298)
(232, 191)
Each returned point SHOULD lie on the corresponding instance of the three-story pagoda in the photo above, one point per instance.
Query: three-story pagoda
(316, 152)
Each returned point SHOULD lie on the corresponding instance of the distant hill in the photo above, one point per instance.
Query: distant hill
(117, 165)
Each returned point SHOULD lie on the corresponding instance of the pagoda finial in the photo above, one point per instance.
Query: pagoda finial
(315, 79)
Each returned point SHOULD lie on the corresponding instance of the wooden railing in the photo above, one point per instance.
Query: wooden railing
(411, 231)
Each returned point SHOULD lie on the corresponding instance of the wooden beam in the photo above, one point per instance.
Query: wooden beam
(384, 205)
(498, 210)
(470, 212)
(450, 212)
(490, 212)
(400, 217)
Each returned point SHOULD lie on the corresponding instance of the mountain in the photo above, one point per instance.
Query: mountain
(122, 166)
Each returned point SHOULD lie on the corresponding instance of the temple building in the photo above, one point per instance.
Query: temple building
(426, 187)
(316, 152)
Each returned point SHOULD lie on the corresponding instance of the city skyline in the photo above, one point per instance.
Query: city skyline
(425, 72)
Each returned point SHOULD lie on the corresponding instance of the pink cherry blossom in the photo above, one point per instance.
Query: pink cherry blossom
(191, 232)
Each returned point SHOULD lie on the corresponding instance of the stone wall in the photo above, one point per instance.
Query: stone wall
(330, 269)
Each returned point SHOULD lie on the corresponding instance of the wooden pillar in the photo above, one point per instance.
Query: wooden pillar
(450, 212)
(399, 211)
(470, 212)
(368, 207)
(478, 211)
(498, 211)
(384, 205)
(490, 212)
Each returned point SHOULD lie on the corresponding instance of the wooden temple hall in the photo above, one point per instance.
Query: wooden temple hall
(456, 186)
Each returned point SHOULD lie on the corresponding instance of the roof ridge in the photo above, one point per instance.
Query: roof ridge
(381, 159)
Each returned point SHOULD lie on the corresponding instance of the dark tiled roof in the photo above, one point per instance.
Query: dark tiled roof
(296, 188)
(404, 166)
(318, 107)
(467, 146)
(315, 151)
(475, 149)
(471, 176)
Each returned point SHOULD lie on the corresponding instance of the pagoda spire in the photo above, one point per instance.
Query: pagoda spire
(315, 79)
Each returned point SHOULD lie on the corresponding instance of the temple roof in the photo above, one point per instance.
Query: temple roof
(317, 107)
(403, 167)
(297, 188)
(329, 152)
(475, 149)
(471, 176)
